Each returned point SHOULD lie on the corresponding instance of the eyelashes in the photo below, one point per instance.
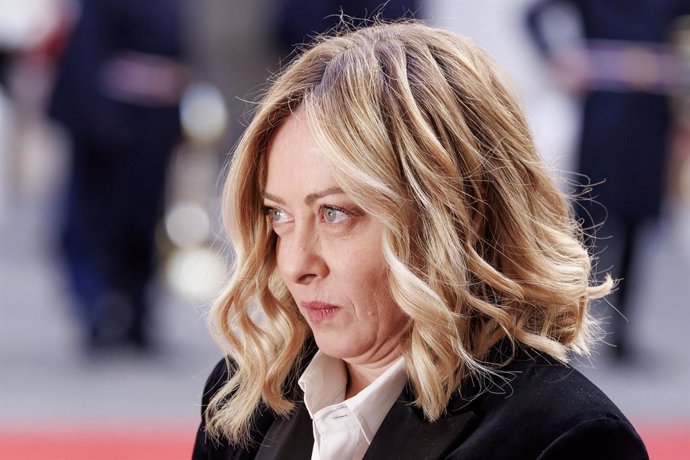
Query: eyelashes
(275, 215)
(334, 214)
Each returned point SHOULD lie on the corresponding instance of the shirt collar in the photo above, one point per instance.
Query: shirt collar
(324, 382)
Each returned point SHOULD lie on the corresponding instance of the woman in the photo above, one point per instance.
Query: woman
(409, 282)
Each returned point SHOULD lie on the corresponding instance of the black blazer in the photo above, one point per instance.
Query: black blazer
(538, 409)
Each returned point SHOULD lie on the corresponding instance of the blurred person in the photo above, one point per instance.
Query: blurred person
(116, 93)
(298, 21)
(409, 281)
(621, 70)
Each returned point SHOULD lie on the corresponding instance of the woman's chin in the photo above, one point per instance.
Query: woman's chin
(337, 347)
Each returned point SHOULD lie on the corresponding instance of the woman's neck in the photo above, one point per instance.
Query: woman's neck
(360, 376)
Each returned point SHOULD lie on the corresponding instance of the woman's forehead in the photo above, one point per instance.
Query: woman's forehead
(296, 162)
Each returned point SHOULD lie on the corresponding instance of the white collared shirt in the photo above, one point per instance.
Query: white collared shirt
(343, 429)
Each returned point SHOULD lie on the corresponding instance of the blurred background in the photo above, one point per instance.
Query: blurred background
(116, 119)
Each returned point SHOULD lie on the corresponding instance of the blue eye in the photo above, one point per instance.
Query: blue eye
(333, 215)
(276, 215)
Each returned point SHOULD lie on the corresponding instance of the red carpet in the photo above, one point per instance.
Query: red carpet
(664, 442)
(95, 442)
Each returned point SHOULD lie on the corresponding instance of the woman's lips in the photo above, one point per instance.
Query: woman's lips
(319, 311)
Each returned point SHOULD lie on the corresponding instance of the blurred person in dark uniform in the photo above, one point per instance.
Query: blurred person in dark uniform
(622, 70)
(299, 20)
(117, 92)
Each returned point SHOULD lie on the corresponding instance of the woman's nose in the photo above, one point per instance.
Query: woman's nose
(299, 256)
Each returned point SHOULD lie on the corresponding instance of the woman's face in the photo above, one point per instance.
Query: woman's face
(329, 252)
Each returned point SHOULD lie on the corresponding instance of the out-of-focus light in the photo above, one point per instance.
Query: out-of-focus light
(187, 224)
(196, 274)
(203, 113)
(26, 23)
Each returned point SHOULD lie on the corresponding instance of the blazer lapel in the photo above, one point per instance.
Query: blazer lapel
(290, 437)
(405, 431)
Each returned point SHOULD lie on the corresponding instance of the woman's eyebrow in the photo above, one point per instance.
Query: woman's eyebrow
(309, 199)
(273, 198)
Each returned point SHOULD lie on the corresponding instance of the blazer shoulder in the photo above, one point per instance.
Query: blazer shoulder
(538, 405)
(204, 447)
(597, 439)
(218, 377)
(548, 386)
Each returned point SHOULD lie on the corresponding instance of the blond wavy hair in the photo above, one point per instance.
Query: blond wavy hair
(422, 132)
